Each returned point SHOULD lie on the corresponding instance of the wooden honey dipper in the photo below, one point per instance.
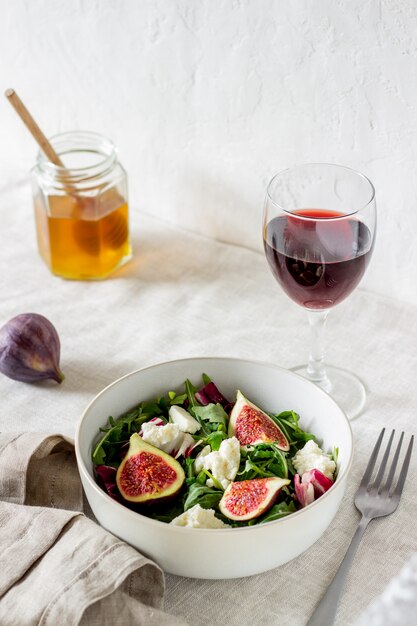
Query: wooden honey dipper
(33, 128)
(118, 233)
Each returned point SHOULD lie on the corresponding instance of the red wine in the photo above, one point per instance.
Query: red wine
(318, 261)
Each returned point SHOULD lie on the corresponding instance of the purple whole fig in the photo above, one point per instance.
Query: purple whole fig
(30, 349)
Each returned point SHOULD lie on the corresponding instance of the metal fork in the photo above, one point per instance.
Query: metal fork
(372, 500)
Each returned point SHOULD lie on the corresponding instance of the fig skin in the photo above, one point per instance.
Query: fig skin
(144, 488)
(30, 349)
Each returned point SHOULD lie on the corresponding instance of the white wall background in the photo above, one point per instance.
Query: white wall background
(206, 99)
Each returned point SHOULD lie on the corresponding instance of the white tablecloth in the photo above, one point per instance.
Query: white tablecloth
(184, 295)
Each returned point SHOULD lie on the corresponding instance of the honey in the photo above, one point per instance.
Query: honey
(81, 208)
(75, 244)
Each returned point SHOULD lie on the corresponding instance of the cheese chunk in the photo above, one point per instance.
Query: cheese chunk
(166, 438)
(311, 456)
(185, 422)
(197, 517)
(222, 463)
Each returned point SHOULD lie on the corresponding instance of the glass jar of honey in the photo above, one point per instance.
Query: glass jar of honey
(81, 209)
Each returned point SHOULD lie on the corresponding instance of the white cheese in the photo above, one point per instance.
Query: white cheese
(311, 456)
(199, 459)
(222, 463)
(166, 438)
(197, 517)
(185, 422)
(186, 443)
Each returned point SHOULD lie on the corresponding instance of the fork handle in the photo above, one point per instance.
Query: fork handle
(325, 613)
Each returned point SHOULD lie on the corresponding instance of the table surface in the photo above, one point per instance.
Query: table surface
(183, 295)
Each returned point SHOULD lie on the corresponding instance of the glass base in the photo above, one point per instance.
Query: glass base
(344, 387)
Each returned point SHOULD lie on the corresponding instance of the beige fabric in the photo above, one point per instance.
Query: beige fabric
(57, 566)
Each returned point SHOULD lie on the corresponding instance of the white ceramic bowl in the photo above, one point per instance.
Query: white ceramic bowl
(228, 553)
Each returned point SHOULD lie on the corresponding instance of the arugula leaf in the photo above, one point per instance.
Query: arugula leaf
(251, 470)
(119, 431)
(213, 413)
(201, 478)
(205, 496)
(190, 391)
(277, 511)
(189, 471)
(334, 455)
(263, 461)
(206, 379)
(214, 439)
(113, 434)
(178, 399)
(288, 423)
(99, 456)
(216, 483)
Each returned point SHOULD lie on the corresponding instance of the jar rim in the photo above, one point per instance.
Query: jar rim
(79, 141)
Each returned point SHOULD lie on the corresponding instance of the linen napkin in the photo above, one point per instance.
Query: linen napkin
(56, 565)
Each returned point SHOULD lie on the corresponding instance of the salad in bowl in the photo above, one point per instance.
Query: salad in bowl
(198, 459)
(179, 512)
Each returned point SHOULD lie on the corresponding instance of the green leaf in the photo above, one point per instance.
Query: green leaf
(206, 379)
(216, 483)
(214, 439)
(205, 496)
(119, 432)
(153, 409)
(263, 460)
(99, 456)
(334, 456)
(190, 391)
(288, 422)
(112, 434)
(189, 470)
(213, 413)
(201, 478)
(251, 470)
(179, 400)
(290, 416)
(277, 511)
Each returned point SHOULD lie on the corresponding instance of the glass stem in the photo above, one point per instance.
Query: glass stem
(315, 368)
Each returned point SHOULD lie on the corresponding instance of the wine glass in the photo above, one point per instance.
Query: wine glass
(319, 227)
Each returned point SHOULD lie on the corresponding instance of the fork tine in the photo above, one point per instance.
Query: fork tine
(383, 464)
(371, 463)
(394, 465)
(400, 484)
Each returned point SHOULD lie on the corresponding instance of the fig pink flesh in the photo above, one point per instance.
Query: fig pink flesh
(145, 473)
(242, 500)
(252, 425)
(247, 499)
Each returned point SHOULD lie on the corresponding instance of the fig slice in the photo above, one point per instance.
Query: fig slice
(252, 426)
(147, 473)
(247, 499)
